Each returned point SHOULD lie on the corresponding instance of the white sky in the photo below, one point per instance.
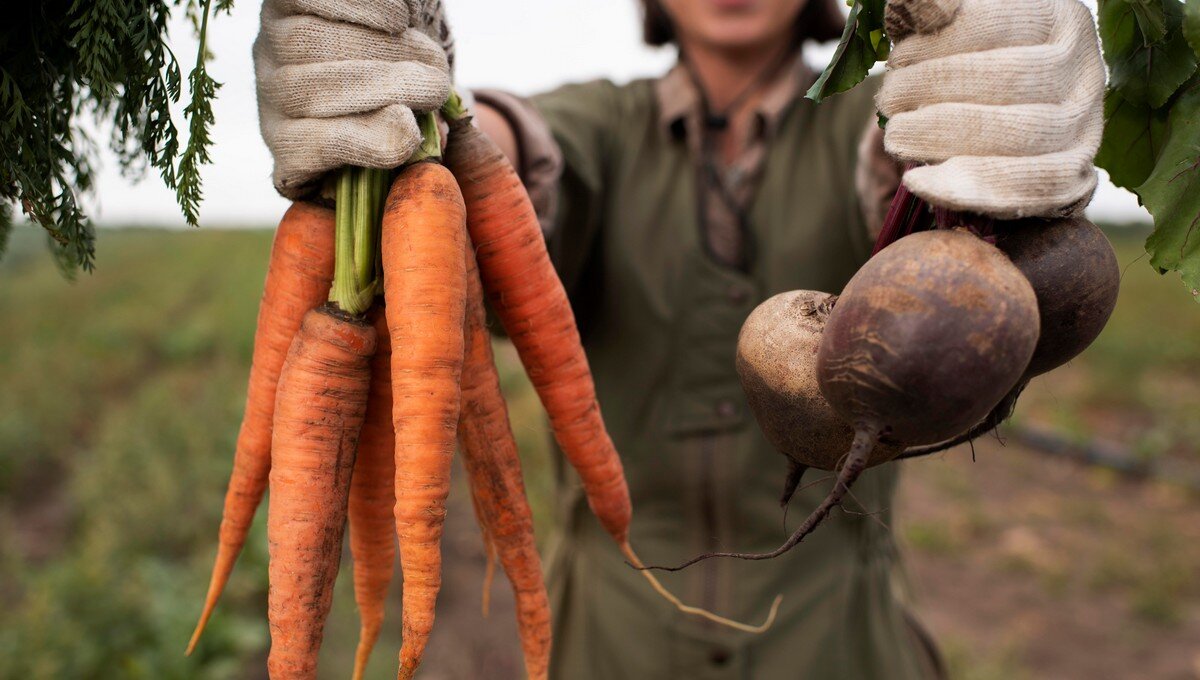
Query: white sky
(524, 47)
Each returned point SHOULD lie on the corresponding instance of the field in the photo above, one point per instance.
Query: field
(121, 401)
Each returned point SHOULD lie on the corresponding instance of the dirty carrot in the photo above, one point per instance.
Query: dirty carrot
(322, 401)
(425, 292)
(532, 305)
(298, 279)
(494, 470)
(372, 497)
(528, 297)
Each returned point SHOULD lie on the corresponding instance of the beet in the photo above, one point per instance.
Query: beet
(1075, 275)
(777, 363)
(928, 337)
(924, 341)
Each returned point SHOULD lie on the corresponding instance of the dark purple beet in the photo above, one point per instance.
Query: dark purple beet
(1076, 278)
(927, 337)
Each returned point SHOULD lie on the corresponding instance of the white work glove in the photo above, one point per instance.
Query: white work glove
(1002, 100)
(339, 80)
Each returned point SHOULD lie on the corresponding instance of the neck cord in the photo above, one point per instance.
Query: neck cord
(710, 174)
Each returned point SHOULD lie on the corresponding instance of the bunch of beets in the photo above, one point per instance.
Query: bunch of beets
(928, 346)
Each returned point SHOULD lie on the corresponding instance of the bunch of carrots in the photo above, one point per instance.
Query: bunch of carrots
(372, 359)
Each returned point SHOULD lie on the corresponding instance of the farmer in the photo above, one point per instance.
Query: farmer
(672, 207)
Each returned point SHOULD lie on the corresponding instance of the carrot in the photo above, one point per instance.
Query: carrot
(494, 469)
(318, 415)
(532, 305)
(372, 496)
(425, 291)
(298, 279)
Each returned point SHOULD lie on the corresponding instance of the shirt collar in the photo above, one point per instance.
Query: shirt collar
(679, 98)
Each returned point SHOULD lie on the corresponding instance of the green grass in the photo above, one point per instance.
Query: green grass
(122, 397)
(121, 402)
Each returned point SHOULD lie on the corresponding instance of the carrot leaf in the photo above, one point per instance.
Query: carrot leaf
(107, 62)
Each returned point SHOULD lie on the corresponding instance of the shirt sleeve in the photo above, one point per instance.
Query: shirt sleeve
(584, 120)
(565, 138)
(541, 162)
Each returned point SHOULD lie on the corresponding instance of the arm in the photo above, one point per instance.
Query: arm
(560, 142)
(493, 124)
(528, 141)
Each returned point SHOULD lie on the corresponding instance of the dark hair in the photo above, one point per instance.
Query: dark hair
(820, 20)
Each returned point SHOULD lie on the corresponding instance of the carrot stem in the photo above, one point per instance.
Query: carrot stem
(363, 233)
(453, 109)
(431, 138)
(342, 292)
(360, 196)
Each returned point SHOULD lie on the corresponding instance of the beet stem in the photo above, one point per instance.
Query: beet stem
(865, 439)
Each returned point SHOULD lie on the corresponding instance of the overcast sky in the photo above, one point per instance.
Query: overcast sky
(524, 46)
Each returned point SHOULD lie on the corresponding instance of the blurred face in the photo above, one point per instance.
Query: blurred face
(733, 24)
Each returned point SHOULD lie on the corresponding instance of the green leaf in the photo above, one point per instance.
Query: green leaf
(1151, 19)
(1133, 138)
(862, 44)
(1172, 192)
(69, 66)
(1145, 71)
(1191, 25)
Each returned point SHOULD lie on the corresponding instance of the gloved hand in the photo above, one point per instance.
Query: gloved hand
(339, 80)
(1001, 99)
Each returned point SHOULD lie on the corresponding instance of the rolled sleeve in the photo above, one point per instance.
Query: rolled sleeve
(540, 160)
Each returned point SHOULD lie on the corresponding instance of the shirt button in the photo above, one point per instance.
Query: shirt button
(719, 656)
(726, 408)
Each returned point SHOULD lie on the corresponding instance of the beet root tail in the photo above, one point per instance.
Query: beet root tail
(1002, 412)
(865, 439)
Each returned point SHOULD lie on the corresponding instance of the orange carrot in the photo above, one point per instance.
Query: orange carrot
(530, 301)
(425, 292)
(318, 415)
(372, 497)
(494, 469)
(298, 279)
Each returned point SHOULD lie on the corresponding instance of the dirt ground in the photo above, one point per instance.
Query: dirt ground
(1026, 566)
(1023, 566)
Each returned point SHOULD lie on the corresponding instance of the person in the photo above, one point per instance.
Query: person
(672, 206)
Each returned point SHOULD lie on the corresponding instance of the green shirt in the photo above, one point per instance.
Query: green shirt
(660, 317)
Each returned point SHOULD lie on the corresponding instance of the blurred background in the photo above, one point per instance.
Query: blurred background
(1068, 549)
